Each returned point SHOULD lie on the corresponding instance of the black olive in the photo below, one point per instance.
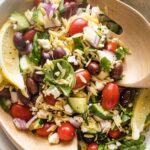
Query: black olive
(38, 77)
(19, 41)
(94, 68)
(59, 53)
(5, 93)
(22, 98)
(127, 96)
(88, 138)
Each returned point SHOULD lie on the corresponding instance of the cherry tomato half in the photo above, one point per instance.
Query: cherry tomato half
(66, 132)
(21, 111)
(79, 81)
(44, 130)
(110, 96)
(92, 146)
(29, 35)
(114, 134)
(50, 99)
(77, 26)
(112, 46)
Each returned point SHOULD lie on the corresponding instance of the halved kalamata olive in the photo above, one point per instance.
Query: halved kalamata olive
(28, 48)
(38, 77)
(45, 56)
(94, 68)
(22, 98)
(32, 86)
(75, 67)
(5, 93)
(117, 71)
(19, 42)
(59, 53)
(127, 96)
(70, 8)
(88, 138)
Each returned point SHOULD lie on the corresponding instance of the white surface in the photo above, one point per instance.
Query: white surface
(5, 144)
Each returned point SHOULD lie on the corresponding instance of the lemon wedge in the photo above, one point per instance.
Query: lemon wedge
(141, 110)
(9, 58)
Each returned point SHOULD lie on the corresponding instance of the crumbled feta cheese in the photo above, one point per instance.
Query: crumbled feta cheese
(44, 43)
(53, 138)
(109, 55)
(54, 91)
(95, 11)
(72, 59)
(68, 109)
(118, 143)
(112, 147)
(78, 119)
(43, 114)
(14, 97)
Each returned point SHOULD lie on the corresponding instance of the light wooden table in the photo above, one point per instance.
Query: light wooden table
(142, 6)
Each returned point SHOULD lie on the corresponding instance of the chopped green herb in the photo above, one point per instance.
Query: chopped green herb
(133, 144)
(105, 64)
(78, 44)
(35, 55)
(61, 6)
(121, 52)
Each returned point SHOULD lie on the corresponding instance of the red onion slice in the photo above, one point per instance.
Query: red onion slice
(49, 8)
(20, 124)
(30, 121)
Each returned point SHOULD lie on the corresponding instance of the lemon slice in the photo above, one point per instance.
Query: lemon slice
(141, 110)
(9, 58)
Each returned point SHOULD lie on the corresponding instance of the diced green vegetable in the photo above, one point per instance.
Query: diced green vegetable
(97, 110)
(105, 64)
(20, 20)
(35, 54)
(26, 65)
(61, 6)
(38, 17)
(79, 105)
(101, 147)
(66, 78)
(36, 125)
(78, 44)
(121, 52)
(5, 104)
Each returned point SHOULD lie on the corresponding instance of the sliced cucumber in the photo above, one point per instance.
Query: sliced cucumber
(38, 17)
(36, 125)
(21, 21)
(79, 105)
(98, 110)
(25, 65)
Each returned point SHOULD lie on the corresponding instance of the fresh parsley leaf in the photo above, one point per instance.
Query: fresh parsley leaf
(65, 78)
(105, 64)
(35, 54)
(121, 52)
(78, 44)
(133, 144)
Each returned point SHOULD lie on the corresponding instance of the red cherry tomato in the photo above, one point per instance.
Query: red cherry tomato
(110, 96)
(77, 26)
(79, 81)
(37, 2)
(114, 134)
(21, 111)
(29, 35)
(112, 46)
(92, 146)
(44, 130)
(50, 100)
(66, 132)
